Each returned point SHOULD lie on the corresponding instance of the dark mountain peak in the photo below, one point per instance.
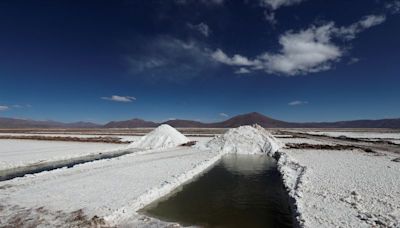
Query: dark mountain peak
(185, 123)
(249, 119)
(132, 123)
(82, 124)
(137, 119)
(253, 115)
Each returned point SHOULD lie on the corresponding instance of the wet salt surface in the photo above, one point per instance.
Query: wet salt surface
(240, 191)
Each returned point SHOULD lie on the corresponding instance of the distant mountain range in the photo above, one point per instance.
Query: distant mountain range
(21, 123)
(245, 119)
(133, 123)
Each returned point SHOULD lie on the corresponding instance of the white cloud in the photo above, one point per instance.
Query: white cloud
(272, 5)
(3, 108)
(15, 106)
(366, 22)
(242, 70)
(353, 60)
(22, 106)
(275, 4)
(372, 20)
(393, 6)
(270, 17)
(296, 103)
(223, 114)
(117, 98)
(306, 51)
(203, 28)
(236, 60)
(207, 2)
(168, 58)
(218, 2)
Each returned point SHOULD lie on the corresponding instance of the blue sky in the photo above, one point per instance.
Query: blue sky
(208, 60)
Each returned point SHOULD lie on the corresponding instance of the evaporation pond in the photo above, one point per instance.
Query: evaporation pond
(240, 191)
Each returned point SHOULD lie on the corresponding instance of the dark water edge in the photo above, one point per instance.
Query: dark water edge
(239, 191)
(68, 163)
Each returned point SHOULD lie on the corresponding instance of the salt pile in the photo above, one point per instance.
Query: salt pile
(163, 136)
(245, 140)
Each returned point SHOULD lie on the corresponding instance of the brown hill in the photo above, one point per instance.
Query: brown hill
(21, 123)
(265, 121)
(252, 118)
(245, 119)
(133, 123)
(186, 123)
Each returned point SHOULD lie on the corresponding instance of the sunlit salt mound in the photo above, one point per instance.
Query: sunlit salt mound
(245, 140)
(163, 136)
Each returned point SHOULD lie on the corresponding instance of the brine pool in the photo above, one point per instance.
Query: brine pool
(240, 191)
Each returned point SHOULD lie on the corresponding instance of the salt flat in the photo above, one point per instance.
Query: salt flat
(19, 152)
(359, 135)
(123, 138)
(16, 153)
(330, 188)
(114, 187)
(305, 140)
(344, 188)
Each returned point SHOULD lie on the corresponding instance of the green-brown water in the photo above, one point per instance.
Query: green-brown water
(240, 191)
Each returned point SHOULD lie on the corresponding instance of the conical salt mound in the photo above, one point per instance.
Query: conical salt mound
(163, 136)
(245, 140)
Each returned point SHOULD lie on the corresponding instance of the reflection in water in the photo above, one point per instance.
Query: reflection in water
(240, 191)
(247, 164)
